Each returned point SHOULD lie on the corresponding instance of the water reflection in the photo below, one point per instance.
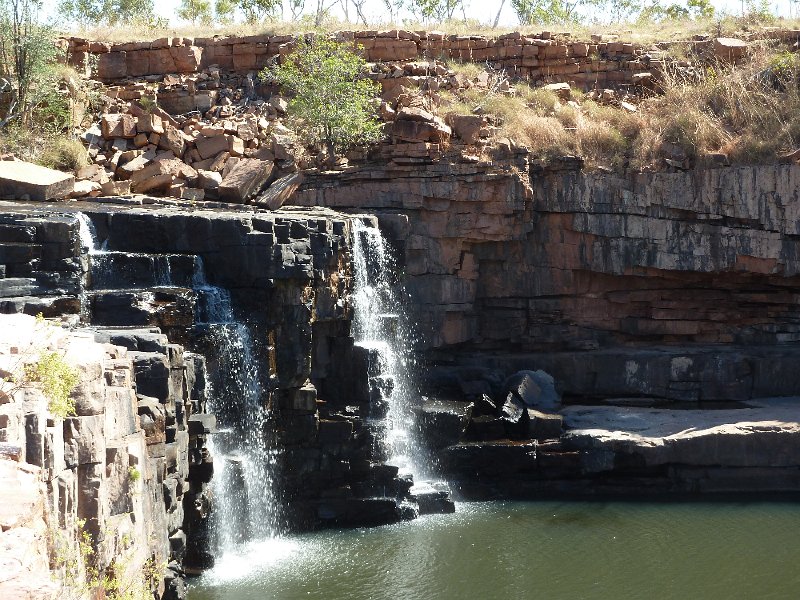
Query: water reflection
(545, 550)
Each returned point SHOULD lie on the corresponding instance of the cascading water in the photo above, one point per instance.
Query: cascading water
(377, 326)
(245, 507)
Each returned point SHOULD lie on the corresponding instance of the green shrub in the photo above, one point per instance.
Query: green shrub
(333, 102)
(65, 154)
(58, 379)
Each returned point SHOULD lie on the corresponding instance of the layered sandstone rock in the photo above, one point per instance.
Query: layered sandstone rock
(99, 472)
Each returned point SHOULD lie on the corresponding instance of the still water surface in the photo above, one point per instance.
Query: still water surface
(536, 550)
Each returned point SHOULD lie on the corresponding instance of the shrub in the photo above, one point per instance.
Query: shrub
(27, 53)
(58, 379)
(65, 154)
(333, 103)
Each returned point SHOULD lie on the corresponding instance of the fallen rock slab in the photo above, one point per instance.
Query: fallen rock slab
(19, 179)
(244, 180)
(280, 191)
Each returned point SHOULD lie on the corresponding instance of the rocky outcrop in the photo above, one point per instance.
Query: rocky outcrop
(109, 478)
(635, 452)
(508, 261)
(601, 60)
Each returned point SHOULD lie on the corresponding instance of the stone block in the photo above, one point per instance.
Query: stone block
(201, 424)
(112, 65)
(544, 426)
(536, 389)
(245, 180)
(84, 440)
(19, 179)
(173, 140)
(209, 147)
(186, 58)
(118, 126)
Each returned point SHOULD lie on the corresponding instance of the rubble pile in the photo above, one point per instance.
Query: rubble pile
(228, 152)
(215, 136)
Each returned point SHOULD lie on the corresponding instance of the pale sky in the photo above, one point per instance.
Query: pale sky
(482, 10)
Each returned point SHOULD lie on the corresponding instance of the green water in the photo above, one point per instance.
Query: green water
(541, 550)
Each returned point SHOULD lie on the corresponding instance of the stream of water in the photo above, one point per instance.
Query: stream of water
(378, 327)
(245, 507)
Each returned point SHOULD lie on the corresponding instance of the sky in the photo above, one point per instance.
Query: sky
(482, 10)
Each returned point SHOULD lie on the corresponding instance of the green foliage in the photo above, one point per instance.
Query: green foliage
(557, 12)
(333, 102)
(435, 10)
(58, 379)
(255, 11)
(692, 9)
(79, 573)
(224, 10)
(134, 474)
(108, 12)
(196, 11)
(758, 12)
(27, 54)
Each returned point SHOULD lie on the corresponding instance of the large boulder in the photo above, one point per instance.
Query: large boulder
(443, 423)
(20, 179)
(418, 125)
(536, 389)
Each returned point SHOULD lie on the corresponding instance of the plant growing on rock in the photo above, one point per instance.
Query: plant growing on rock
(58, 379)
(333, 102)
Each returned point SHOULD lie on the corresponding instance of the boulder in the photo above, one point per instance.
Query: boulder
(562, 90)
(118, 126)
(470, 128)
(418, 125)
(536, 389)
(209, 147)
(173, 140)
(244, 180)
(277, 194)
(729, 49)
(443, 423)
(19, 179)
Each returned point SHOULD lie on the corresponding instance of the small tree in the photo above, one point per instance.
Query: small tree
(108, 12)
(195, 11)
(255, 11)
(224, 10)
(27, 53)
(559, 12)
(333, 101)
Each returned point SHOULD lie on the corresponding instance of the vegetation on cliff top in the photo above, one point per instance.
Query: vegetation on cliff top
(333, 104)
(38, 93)
(737, 114)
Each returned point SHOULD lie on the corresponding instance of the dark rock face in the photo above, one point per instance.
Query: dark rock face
(287, 275)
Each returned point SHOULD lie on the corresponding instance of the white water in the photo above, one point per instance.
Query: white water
(245, 506)
(377, 326)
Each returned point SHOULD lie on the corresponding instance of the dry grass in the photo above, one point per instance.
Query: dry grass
(750, 113)
(644, 33)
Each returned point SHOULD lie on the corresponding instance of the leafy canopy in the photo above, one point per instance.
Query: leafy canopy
(108, 12)
(333, 102)
(27, 57)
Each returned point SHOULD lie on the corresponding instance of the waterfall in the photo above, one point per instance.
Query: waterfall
(378, 327)
(245, 506)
